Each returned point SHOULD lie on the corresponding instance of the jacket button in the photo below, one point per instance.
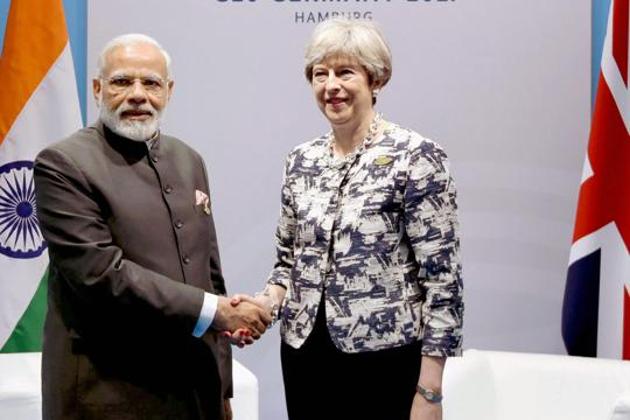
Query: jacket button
(168, 189)
(186, 260)
(179, 224)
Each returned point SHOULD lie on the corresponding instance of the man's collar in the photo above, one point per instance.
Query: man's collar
(125, 145)
(151, 142)
(105, 131)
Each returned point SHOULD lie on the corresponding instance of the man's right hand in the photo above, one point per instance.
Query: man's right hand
(244, 316)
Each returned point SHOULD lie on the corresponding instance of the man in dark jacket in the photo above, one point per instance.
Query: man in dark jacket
(136, 295)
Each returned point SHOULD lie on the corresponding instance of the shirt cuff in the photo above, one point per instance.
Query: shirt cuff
(206, 316)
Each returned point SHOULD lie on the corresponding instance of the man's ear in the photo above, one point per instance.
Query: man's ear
(97, 89)
(169, 89)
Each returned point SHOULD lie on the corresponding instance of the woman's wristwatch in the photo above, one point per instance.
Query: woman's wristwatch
(429, 394)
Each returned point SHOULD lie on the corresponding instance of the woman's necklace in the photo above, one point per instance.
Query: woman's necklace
(367, 140)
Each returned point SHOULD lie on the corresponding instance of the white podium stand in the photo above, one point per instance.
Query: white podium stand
(21, 399)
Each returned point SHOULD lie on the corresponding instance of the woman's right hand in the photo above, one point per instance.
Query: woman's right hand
(273, 294)
(242, 336)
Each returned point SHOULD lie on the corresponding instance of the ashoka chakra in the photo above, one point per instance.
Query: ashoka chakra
(20, 235)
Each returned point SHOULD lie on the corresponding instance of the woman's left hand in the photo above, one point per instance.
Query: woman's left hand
(421, 409)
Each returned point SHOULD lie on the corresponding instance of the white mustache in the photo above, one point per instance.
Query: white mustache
(147, 108)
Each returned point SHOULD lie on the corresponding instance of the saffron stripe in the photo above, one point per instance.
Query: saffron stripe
(35, 37)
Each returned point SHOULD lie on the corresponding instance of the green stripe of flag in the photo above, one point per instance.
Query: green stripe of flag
(28, 334)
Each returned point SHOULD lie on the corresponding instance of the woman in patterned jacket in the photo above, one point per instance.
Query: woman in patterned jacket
(367, 282)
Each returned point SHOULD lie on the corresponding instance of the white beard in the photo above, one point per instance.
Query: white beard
(131, 129)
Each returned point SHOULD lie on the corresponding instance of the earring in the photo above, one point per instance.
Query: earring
(374, 93)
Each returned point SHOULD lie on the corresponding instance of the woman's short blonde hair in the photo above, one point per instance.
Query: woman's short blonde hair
(357, 39)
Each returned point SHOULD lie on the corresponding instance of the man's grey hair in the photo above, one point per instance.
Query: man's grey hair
(131, 39)
(357, 39)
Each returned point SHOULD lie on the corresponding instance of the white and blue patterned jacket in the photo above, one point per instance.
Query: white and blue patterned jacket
(377, 230)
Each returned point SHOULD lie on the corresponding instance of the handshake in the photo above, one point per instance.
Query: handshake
(243, 318)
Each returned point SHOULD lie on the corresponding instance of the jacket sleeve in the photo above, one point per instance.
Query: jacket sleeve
(223, 350)
(216, 274)
(285, 235)
(430, 217)
(82, 250)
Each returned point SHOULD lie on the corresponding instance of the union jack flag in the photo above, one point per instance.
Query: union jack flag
(596, 311)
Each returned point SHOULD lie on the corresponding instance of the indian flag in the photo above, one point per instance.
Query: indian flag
(39, 104)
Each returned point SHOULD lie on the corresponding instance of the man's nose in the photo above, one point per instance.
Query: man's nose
(137, 93)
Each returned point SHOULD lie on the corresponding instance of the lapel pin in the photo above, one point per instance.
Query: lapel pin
(383, 160)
